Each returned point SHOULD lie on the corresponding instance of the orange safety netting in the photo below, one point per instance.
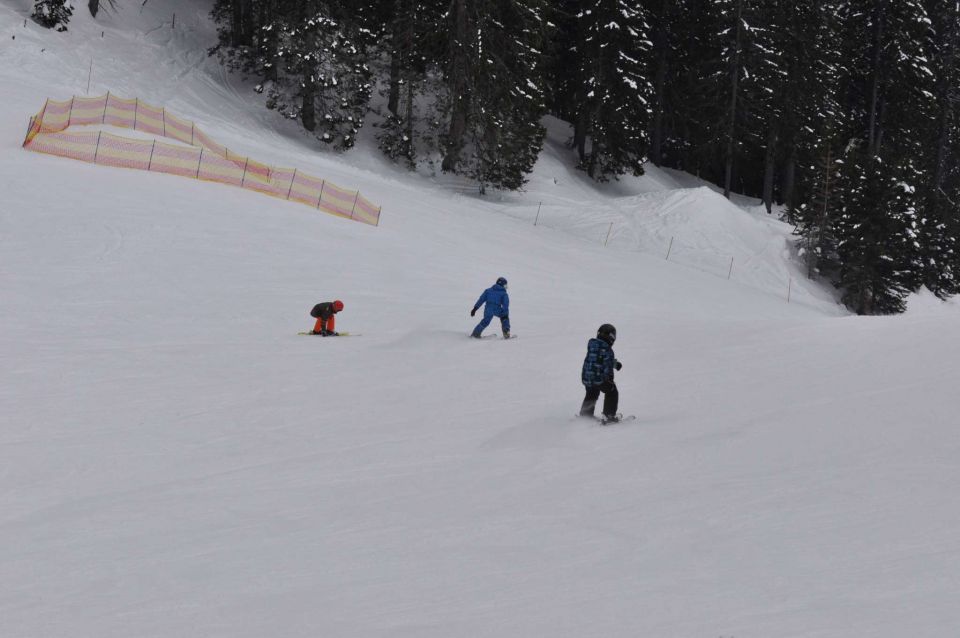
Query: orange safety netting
(202, 159)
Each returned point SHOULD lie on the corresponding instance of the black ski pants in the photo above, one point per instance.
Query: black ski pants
(611, 397)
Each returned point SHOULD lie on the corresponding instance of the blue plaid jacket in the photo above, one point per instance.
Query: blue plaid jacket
(598, 365)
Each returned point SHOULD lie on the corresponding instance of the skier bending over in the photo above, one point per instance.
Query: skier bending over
(597, 374)
(497, 305)
(324, 312)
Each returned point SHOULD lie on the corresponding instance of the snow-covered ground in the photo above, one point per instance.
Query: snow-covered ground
(176, 461)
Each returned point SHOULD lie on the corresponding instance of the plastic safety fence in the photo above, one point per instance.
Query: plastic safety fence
(197, 155)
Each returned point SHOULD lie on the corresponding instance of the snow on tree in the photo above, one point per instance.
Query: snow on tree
(52, 14)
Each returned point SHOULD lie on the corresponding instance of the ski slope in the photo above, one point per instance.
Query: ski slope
(176, 461)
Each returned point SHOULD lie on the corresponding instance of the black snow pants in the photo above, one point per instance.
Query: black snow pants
(611, 397)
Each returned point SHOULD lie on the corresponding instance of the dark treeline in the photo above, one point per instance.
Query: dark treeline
(843, 111)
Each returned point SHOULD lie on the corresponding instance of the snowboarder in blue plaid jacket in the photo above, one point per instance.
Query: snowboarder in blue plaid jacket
(496, 303)
(597, 374)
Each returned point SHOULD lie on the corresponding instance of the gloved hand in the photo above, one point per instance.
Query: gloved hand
(617, 365)
(473, 312)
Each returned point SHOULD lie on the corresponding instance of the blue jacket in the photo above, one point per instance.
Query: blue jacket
(598, 364)
(497, 300)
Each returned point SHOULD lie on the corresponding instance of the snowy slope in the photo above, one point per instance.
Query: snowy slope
(176, 461)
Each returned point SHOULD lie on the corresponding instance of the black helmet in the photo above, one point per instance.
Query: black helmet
(607, 333)
(502, 281)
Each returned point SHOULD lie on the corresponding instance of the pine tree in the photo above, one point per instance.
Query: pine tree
(495, 89)
(889, 104)
(310, 57)
(939, 226)
(52, 14)
(411, 41)
(613, 92)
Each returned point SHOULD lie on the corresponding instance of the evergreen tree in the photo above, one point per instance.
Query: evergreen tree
(614, 93)
(940, 215)
(411, 40)
(310, 57)
(890, 105)
(495, 89)
(52, 14)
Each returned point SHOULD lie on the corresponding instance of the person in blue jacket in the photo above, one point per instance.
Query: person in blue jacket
(496, 303)
(597, 374)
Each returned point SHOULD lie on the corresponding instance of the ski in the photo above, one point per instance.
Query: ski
(494, 336)
(339, 334)
(602, 421)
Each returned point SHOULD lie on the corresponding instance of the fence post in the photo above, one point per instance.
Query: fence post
(789, 287)
(292, 179)
(319, 199)
(152, 147)
(136, 108)
(199, 162)
(354, 209)
(163, 116)
(106, 102)
(609, 230)
(379, 208)
(89, 75)
(730, 272)
(97, 150)
(192, 125)
(70, 113)
(243, 180)
(669, 248)
(538, 214)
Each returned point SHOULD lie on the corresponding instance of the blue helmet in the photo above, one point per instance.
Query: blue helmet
(502, 281)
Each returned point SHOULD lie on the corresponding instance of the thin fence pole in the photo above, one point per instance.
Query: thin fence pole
(609, 230)
(243, 180)
(97, 150)
(538, 214)
(136, 109)
(379, 208)
(192, 125)
(163, 116)
(199, 162)
(322, 184)
(292, 180)
(789, 288)
(354, 209)
(89, 76)
(669, 248)
(106, 103)
(152, 147)
(70, 113)
(730, 272)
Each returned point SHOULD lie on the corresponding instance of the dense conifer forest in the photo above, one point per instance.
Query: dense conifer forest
(842, 111)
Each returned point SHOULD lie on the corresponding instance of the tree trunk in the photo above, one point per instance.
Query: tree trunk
(308, 109)
(734, 85)
(459, 85)
(660, 45)
(789, 177)
(768, 169)
(94, 6)
(580, 135)
(396, 54)
(873, 135)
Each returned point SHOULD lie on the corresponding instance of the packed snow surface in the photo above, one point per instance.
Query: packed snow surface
(176, 461)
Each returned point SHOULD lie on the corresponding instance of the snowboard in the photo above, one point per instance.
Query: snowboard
(341, 334)
(603, 421)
